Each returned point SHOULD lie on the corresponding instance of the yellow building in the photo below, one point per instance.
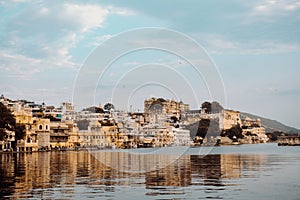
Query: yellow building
(111, 135)
(93, 137)
(59, 134)
(229, 119)
(165, 106)
(41, 128)
(37, 136)
(101, 135)
(251, 122)
(73, 134)
(23, 116)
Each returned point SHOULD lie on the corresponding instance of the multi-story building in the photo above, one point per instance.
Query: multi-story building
(59, 134)
(93, 137)
(248, 122)
(253, 131)
(165, 106)
(181, 137)
(41, 129)
(229, 119)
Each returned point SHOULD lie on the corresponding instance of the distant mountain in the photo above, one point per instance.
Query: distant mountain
(271, 125)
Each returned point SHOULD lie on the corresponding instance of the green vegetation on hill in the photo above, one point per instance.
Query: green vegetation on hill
(271, 125)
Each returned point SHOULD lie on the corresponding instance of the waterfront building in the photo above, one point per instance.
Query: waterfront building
(48, 127)
(23, 115)
(101, 134)
(253, 131)
(93, 137)
(181, 137)
(110, 131)
(7, 144)
(72, 134)
(40, 128)
(59, 134)
(37, 136)
(289, 140)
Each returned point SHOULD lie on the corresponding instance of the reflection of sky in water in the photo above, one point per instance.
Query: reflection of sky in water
(272, 173)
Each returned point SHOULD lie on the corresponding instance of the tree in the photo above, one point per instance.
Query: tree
(174, 119)
(20, 131)
(94, 109)
(208, 127)
(213, 107)
(203, 127)
(206, 106)
(233, 131)
(109, 106)
(7, 121)
(216, 107)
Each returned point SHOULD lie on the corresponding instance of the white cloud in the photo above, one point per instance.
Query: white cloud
(87, 16)
(22, 67)
(42, 34)
(275, 7)
(121, 11)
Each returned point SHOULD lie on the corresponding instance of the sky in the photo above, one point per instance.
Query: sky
(253, 45)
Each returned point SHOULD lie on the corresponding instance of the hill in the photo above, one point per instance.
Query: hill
(271, 125)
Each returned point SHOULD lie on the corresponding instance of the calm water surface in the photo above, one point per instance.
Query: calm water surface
(263, 171)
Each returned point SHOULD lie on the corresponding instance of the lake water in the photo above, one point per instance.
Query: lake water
(257, 171)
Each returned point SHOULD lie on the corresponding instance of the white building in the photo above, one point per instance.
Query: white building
(181, 137)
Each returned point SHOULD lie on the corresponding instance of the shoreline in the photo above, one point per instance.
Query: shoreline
(111, 148)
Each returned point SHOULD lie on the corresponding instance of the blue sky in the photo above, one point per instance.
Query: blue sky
(255, 45)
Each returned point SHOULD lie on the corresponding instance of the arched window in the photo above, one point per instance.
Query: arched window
(46, 127)
(40, 127)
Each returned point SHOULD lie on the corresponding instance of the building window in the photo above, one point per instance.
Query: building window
(40, 127)
(46, 127)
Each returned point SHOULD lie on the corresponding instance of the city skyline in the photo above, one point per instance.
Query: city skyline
(255, 46)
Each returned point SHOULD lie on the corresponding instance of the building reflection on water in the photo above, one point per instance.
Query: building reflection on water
(36, 174)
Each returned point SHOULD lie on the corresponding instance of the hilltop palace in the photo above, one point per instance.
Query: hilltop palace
(163, 123)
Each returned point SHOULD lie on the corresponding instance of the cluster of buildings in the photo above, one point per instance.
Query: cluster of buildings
(289, 140)
(48, 128)
(252, 129)
(162, 123)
